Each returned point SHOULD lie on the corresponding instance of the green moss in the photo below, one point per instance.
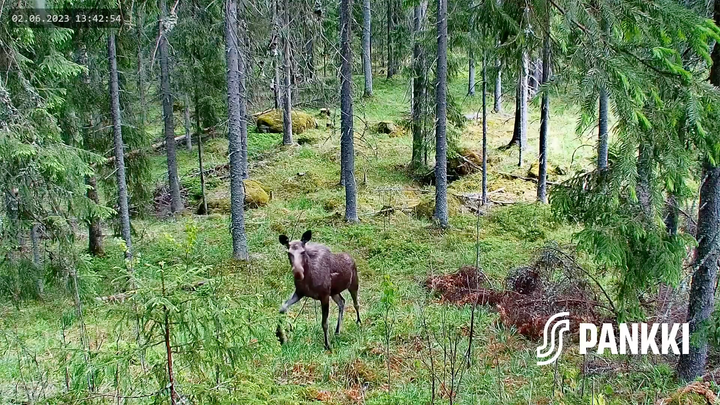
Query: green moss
(272, 121)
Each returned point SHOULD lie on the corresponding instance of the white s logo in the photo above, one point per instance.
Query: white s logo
(548, 347)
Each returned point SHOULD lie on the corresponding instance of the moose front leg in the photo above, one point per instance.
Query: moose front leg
(325, 303)
(295, 297)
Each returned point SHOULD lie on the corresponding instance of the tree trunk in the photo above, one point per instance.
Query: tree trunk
(12, 232)
(276, 58)
(471, 75)
(644, 181)
(124, 211)
(37, 259)
(287, 101)
(516, 123)
(602, 161)
(95, 236)
(141, 75)
(497, 108)
(346, 111)
(198, 130)
(243, 47)
(419, 86)
(176, 203)
(390, 28)
(523, 106)
(188, 138)
(544, 115)
(367, 61)
(309, 56)
(441, 207)
(484, 130)
(235, 118)
(707, 254)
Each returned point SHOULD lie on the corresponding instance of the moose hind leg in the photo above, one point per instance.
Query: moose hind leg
(325, 304)
(353, 293)
(341, 309)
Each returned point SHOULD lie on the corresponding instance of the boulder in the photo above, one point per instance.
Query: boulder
(464, 162)
(386, 127)
(255, 194)
(534, 170)
(426, 207)
(272, 121)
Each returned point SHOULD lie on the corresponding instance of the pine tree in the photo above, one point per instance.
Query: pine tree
(287, 98)
(347, 150)
(119, 148)
(176, 204)
(367, 60)
(235, 117)
(441, 207)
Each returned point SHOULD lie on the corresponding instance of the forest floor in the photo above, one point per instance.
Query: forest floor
(383, 361)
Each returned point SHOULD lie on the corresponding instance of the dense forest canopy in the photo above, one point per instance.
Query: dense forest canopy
(170, 174)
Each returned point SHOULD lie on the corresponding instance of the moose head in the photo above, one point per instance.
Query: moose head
(297, 254)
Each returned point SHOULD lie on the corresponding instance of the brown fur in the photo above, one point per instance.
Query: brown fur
(321, 275)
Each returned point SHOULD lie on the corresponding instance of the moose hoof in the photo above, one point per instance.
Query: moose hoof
(283, 310)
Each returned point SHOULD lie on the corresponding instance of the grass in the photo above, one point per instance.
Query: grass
(244, 298)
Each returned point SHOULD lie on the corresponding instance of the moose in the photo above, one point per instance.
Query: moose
(321, 275)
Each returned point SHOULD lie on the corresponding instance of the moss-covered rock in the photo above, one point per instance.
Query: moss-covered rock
(426, 207)
(464, 162)
(272, 121)
(386, 127)
(552, 171)
(255, 194)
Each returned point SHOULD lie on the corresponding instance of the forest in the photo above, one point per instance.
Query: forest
(357, 202)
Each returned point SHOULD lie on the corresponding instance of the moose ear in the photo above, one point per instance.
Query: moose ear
(306, 236)
(284, 240)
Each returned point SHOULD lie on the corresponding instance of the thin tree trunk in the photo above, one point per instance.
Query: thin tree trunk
(235, 118)
(198, 130)
(168, 349)
(12, 231)
(119, 149)
(644, 181)
(37, 257)
(95, 236)
(309, 52)
(707, 254)
(471, 74)
(367, 61)
(242, 83)
(390, 28)
(441, 207)
(346, 111)
(419, 89)
(484, 129)
(602, 162)
(671, 214)
(141, 74)
(702, 289)
(188, 137)
(287, 106)
(176, 204)
(497, 108)
(276, 55)
(544, 114)
(523, 106)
